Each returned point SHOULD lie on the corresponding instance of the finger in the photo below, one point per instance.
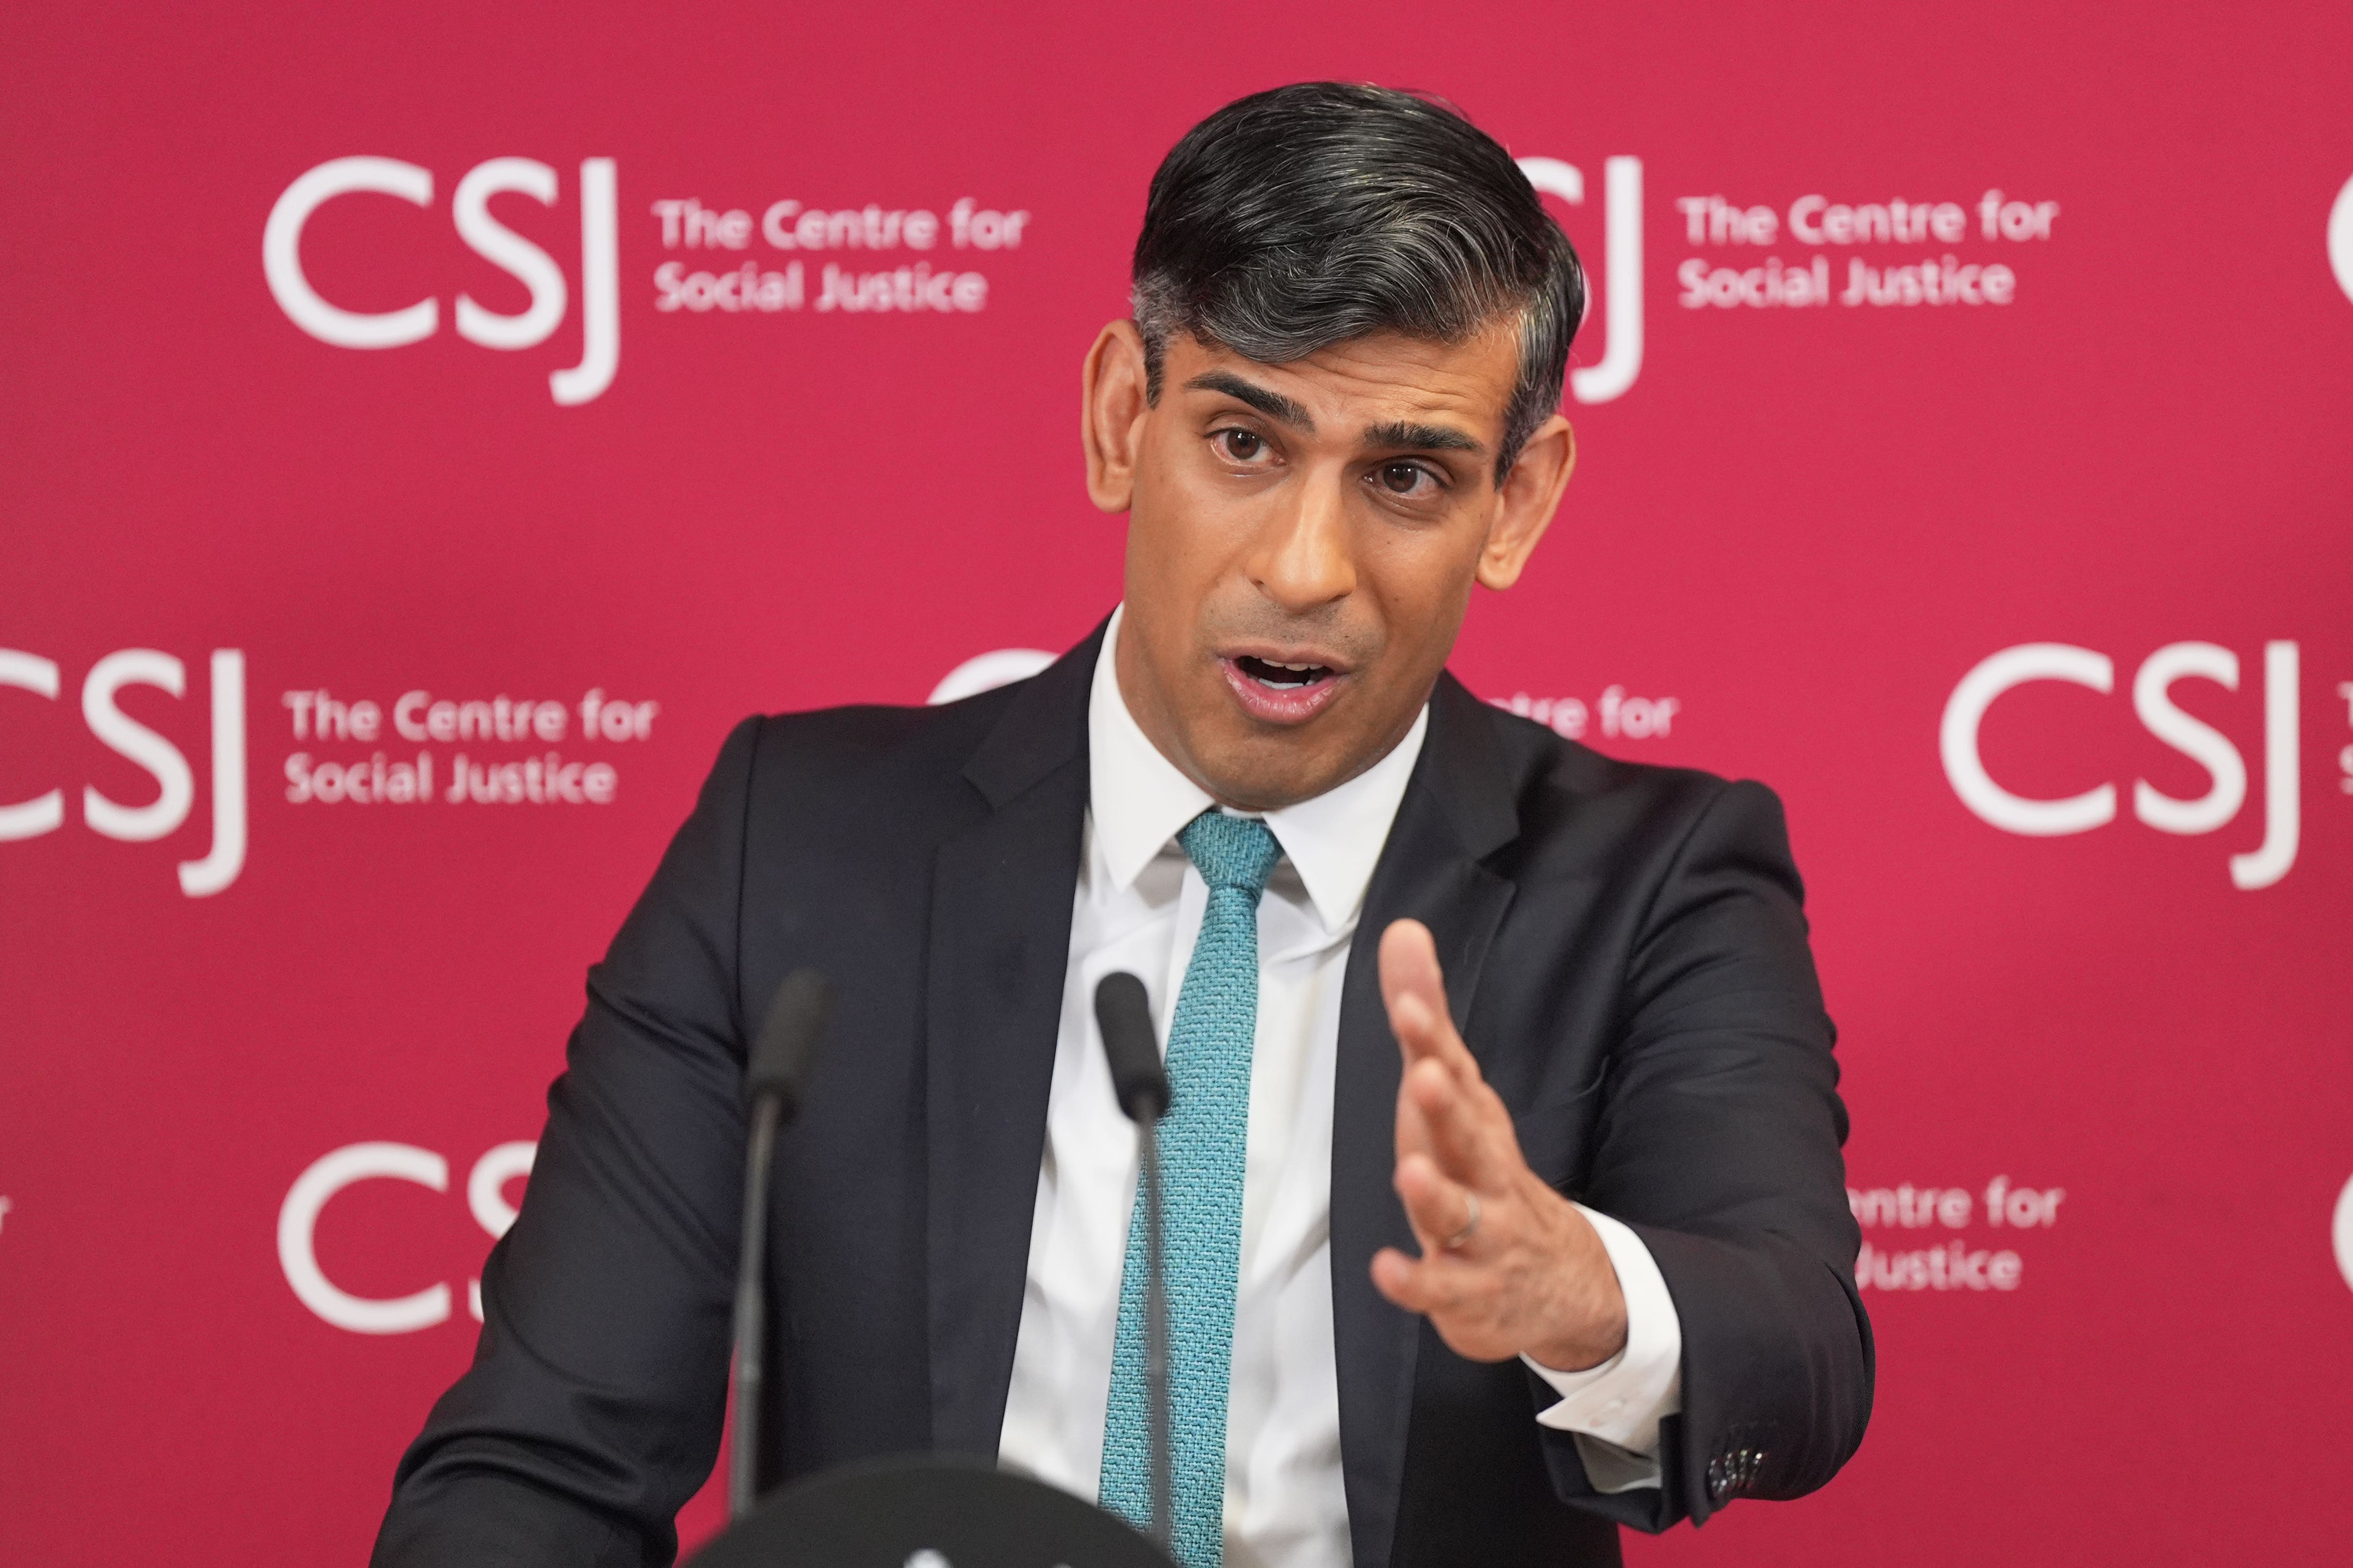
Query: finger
(1398, 1277)
(1409, 962)
(1412, 1125)
(1438, 1206)
(1415, 993)
(1420, 1030)
(1416, 1284)
(1459, 1129)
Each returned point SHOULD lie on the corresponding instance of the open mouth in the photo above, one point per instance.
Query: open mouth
(1282, 677)
(1280, 692)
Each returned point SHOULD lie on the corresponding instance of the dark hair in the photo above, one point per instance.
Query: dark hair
(1303, 217)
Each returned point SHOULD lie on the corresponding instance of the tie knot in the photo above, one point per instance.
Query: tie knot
(1231, 851)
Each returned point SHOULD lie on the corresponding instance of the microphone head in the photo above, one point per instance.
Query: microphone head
(785, 1052)
(1138, 1076)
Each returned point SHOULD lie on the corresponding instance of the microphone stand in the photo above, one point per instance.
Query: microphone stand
(775, 1076)
(752, 1308)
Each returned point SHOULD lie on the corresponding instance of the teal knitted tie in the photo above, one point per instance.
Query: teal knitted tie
(1203, 1140)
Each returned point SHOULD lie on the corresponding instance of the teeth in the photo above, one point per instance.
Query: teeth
(1282, 677)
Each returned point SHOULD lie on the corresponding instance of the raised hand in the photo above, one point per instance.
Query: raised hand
(1508, 1267)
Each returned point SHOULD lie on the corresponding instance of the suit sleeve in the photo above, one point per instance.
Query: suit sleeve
(595, 1403)
(1720, 1144)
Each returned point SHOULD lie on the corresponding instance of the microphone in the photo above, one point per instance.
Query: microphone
(1137, 1075)
(775, 1076)
(1140, 1079)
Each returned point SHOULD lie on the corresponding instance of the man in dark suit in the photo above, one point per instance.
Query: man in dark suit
(1507, 1201)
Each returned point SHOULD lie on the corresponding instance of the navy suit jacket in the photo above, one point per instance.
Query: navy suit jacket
(1624, 949)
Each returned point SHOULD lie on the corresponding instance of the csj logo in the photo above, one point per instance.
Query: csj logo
(2152, 698)
(307, 1199)
(176, 784)
(470, 210)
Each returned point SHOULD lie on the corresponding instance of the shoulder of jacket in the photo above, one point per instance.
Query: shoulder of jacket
(1579, 809)
(859, 735)
(1545, 763)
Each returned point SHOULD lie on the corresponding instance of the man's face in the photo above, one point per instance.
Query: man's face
(1302, 543)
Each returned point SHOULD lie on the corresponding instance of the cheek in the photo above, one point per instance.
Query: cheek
(1188, 528)
(1421, 579)
(1161, 518)
(1177, 552)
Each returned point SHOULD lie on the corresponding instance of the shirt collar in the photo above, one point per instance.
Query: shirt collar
(1140, 801)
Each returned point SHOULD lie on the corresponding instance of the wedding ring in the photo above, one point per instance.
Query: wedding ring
(1454, 1243)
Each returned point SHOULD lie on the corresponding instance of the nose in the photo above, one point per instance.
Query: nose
(1303, 561)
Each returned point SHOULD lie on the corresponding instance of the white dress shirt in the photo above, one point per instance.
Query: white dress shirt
(1138, 906)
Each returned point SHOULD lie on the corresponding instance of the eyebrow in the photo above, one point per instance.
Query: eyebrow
(1422, 438)
(1273, 404)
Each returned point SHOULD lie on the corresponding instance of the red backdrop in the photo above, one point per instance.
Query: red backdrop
(2074, 370)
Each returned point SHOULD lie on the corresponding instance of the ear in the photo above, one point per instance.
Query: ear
(1523, 509)
(1112, 408)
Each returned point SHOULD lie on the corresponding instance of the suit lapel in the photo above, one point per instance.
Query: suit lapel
(1456, 809)
(999, 948)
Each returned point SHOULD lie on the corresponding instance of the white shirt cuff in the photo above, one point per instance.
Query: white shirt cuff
(1614, 1409)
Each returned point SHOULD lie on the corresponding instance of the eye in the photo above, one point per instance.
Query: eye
(1239, 445)
(1411, 482)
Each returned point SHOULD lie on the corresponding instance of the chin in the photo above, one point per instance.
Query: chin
(1253, 770)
